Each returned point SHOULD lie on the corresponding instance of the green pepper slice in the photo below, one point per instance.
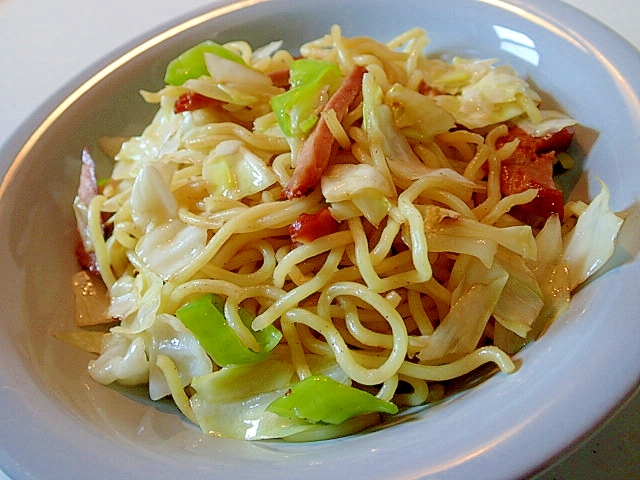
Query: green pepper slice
(322, 399)
(297, 108)
(191, 63)
(204, 317)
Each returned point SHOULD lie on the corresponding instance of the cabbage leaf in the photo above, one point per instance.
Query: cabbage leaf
(592, 241)
(473, 301)
(233, 401)
(171, 247)
(168, 336)
(235, 172)
(361, 184)
(418, 116)
(494, 95)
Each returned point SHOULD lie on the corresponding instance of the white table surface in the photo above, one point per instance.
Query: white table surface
(46, 43)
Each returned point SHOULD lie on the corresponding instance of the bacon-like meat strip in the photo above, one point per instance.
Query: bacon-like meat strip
(280, 78)
(87, 189)
(531, 166)
(309, 226)
(190, 101)
(87, 260)
(320, 146)
(88, 186)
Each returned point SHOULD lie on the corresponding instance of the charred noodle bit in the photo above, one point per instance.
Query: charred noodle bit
(419, 235)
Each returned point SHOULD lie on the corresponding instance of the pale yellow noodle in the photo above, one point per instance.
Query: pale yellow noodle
(367, 270)
(364, 294)
(208, 136)
(262, 239)
(495, 157)
(416, 46)
(282, 167)
(262, 275)
(388, 388)
(117, 203)
(185, 175)
(415, 80)
(308, 250)
(450, 200)
(419, 247)
(460, 367)
(507, 203)
(418, 396)
(249, 254)
(295, 274)
(296, 295)
(183, 291)
(127, 234)
(435, 290)
(359, 331)
(281, 60)
(405, 37)
(209, 221)
(380, 75)
(465, 142)
(473, 170)
(352, 117)
(117, 254)
(418, 312)
(241, 48)
(232, 315)
(296, 349)
(170, 372)
(335, 127)
(394, 298)
(338, 43)
(274, 214)
(382, 248)
(432, 156)
(343, 355)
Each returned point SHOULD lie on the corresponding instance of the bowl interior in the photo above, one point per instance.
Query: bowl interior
(66, 426)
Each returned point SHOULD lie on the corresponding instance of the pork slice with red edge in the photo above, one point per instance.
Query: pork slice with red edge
(320, 146)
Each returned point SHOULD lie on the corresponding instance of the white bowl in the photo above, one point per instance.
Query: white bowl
(57, 423)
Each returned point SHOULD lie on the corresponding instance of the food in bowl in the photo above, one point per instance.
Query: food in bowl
(299, 246)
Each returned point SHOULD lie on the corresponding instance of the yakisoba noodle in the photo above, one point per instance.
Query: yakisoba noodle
(416, 282)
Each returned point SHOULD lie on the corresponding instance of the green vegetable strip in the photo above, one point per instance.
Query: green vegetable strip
(191, 63)
(297, 109)
(204, 317)
(322, 399)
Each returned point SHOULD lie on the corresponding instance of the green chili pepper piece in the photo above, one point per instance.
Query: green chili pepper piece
(204, 317)
(191, 63)
(322, 399)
